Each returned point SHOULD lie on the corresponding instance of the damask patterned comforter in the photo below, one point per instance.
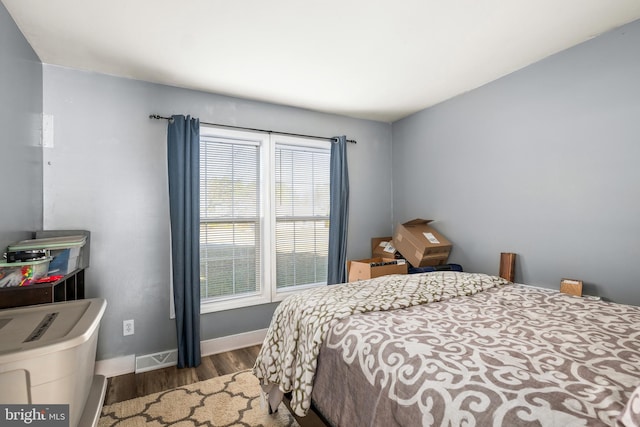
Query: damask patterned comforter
(509, 356)
(288, 358)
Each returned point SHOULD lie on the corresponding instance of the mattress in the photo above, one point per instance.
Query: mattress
(508, 356)
(453, 348)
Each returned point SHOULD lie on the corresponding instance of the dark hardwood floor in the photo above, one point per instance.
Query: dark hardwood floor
(129, 386)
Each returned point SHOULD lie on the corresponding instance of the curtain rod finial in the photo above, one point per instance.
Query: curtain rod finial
(159, 117)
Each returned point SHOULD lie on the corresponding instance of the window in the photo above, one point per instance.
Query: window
(302, 215)
(264, 216)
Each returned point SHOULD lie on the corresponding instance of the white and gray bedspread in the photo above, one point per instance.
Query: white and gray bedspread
(288, 358)
(508, 356)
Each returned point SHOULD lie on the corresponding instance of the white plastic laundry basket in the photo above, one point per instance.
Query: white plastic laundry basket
(47, 356)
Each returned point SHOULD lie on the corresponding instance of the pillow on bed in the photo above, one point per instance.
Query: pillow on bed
(630, 417)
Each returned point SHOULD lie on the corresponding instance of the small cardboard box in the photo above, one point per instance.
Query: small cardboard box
(421, 244)
(382, 247)
(375, 267)
(571, 287)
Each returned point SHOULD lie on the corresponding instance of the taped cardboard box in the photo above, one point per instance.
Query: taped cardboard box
(382, 247)
(375, 267)
(421, 244)
(571, 287)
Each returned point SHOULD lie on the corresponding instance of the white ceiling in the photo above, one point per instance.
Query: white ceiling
(374, 59)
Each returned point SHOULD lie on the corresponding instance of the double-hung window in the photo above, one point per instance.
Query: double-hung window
(264, 216)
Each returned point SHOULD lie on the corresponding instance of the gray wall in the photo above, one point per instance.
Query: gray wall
(543, 162)
(107, 173)
(20, 121)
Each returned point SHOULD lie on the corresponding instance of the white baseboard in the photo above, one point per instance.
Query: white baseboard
(232, 342)
(127, 364)
(116, 366)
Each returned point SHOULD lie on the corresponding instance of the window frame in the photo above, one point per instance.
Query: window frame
(316, 144)
(268, 291)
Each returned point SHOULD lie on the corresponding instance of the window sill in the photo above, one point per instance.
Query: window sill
(232, 303)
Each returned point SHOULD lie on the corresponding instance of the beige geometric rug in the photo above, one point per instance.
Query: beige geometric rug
(230, 400)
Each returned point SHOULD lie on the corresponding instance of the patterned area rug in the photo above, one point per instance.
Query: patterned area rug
(230, 400)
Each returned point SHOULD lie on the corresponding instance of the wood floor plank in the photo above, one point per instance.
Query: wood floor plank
(185, 376)
(120, 388)
(246, 357)
(206, 370)
(129, 386)
(254, 350)
(227, 363)
(153, 382)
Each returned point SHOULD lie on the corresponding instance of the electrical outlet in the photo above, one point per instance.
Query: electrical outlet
(127, 327)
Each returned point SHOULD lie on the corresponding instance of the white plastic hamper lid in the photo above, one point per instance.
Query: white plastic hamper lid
(37, 330)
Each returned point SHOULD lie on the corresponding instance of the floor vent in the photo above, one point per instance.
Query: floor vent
(149, 362)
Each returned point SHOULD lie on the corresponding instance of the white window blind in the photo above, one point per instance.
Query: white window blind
(230, 197)
(264, 216)
(302, 215)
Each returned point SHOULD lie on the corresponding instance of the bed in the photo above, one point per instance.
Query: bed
(450, 349)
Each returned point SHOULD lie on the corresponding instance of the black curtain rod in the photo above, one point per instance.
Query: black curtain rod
(159, 117)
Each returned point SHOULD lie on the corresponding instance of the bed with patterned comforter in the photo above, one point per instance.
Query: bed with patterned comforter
(475, 351)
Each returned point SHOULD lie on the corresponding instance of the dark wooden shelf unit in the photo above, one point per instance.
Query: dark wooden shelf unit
(69, 288)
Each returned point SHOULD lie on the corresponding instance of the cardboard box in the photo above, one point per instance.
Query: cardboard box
(421, 244)
(375, 267)
(382, 247)
(571, 287)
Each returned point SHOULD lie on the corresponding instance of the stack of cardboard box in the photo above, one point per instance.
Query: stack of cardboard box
(415, 241)
(421, 244)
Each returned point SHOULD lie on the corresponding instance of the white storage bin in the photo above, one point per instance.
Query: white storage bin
(65, 251)
(47, 356)
(22, 273)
